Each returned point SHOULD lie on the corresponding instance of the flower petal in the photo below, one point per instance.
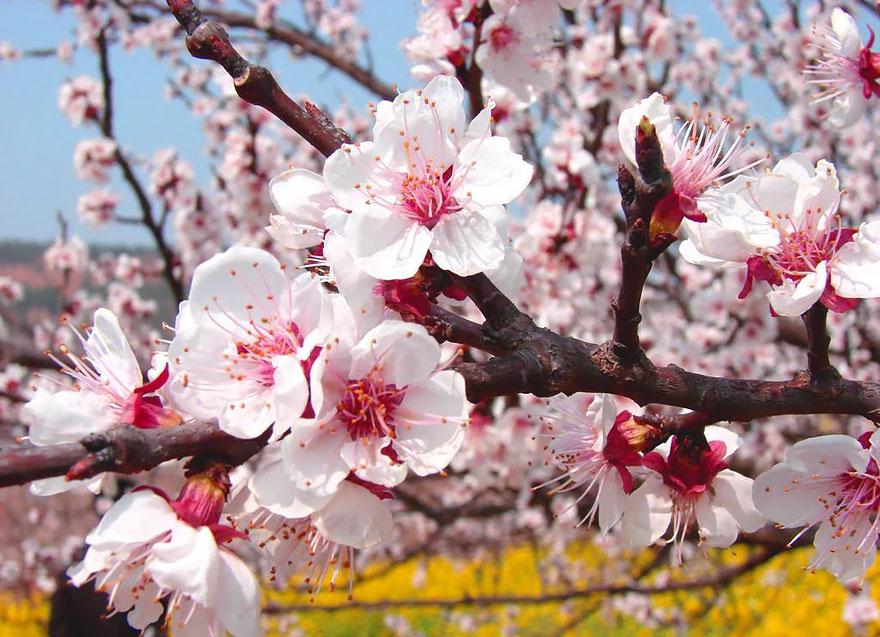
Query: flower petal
(312, 458)
(408, 355)
(490, 172)
(137, 517)
(238, 286)
(647, 513)
(238, 598)
(466, 243)
(188, 562)
(733, 491)
(273, 489)
(385, 244)
(855, 272)
(827, 455)
(111, 354)
(793, 300)
(65, 416)
(355, 517)
(789, 497)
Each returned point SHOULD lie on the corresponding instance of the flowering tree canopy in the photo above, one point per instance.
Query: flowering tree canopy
(374, 305)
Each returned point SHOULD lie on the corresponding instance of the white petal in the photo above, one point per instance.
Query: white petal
(111, 354)
(847, 32)
(796, 167)
(146, 609)
(53, 486)
(137, 517)
(842, 558)
(490, 173)
(466, 243)
(647, 513)
(200, 386)
(95, 560)
(202, 621)
(428, 448)
(819, 195)
(249, 412)
(232, 288)
(354, 284)
(369, 464)
(301, 197)
(789, 497)
(847, 108)
(312, 459)
(479, 126)
(408, 355)
(238, 597)
(733, 491)
(612, 501)
(717, 526)
(735, 225)
(347, 172)
(793, 300)
(416, 124)
(66, 416)
(188, 562)
(273, 489)
(855, 272)
(658, 113)
(446, 94)
(355, 517)
(290, 393)
(827, 455)
(385, 244)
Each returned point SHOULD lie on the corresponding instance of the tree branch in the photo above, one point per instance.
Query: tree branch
(124, 449)
(169, 258)
(639, 196)
(452, 328)
(255, 84)
(818, 341)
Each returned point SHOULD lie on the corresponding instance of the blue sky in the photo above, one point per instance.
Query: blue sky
(36, 140)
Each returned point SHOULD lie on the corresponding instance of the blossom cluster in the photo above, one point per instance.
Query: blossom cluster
(314, 333)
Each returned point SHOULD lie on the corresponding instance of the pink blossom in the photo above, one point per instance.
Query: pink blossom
(834, 482)
(81, 99)
(92, 158)
(97, 207)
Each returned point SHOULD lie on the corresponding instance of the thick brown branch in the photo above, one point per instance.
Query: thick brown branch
(255, 84)
(547, 364)
(123, 450)
(452, 328)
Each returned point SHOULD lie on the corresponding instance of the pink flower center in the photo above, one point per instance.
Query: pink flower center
(367, 407)
(502, 37)
(256, 356)
(801, 249)
(852, 503)
(426, 195)
(702, 159)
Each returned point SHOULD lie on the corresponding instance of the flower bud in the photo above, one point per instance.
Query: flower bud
(203, 495)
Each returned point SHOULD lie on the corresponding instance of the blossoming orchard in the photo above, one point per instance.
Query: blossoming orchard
(570, 285)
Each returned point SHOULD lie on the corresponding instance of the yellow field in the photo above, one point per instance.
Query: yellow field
(780, 598)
